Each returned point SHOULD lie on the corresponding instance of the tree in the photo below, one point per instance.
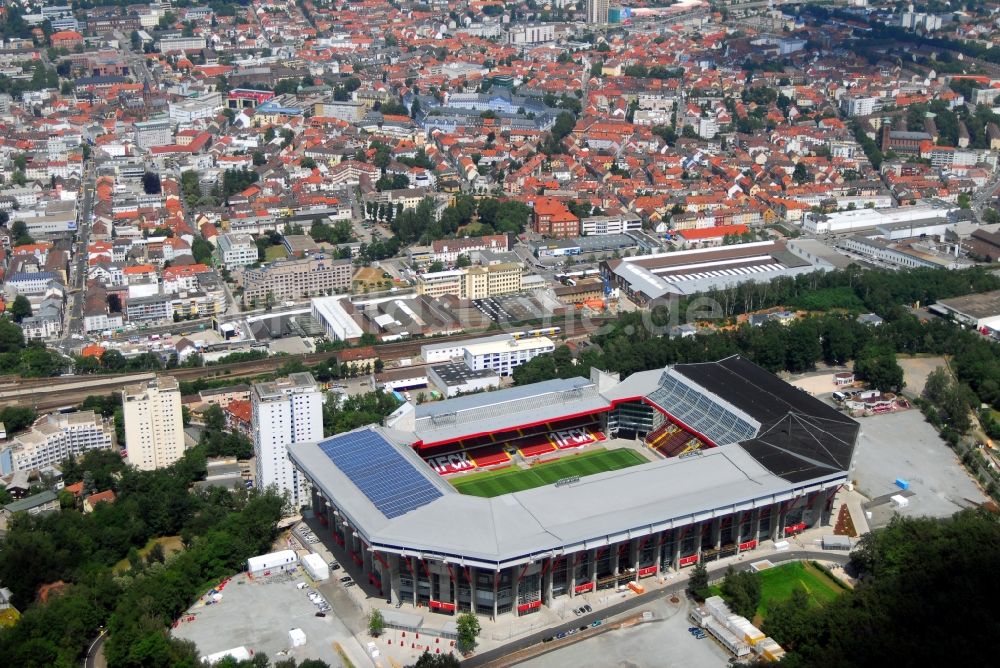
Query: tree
(742, 591)
(800, 174)
(937, 385)
(376, 623)
(428, 660)
(202, 250)
(463, 261)
(698, 582)
(151, 183)
(20, 309)
(964, 201)
(879, 368)
(468, 631)
(19, 232)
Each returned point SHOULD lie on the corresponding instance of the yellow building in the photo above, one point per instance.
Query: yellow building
(473, 282)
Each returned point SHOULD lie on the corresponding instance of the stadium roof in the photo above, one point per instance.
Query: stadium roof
(597, 510)
(464, 417)
(800, 437)
(796, 444)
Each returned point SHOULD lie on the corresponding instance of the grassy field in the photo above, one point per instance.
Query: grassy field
(778, 583)
(275, 253)
(171, 545)
(495, 483)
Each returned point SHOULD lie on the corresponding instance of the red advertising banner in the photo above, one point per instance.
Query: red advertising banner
(524, 607)
(687, 561)
(585, 587)
(645, 572)
(748, 545)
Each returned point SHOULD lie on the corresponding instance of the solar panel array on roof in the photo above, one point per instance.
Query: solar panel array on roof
(701, 412)
(380, 472)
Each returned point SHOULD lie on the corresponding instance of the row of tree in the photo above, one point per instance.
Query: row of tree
(635, 342)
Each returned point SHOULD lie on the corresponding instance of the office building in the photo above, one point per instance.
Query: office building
(284, 412)
(504, 354)
(237, 250)
(153, 133)
(312, 276)
(472, 282)
(154, 425)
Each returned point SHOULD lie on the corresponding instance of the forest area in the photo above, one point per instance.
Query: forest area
(219, 530)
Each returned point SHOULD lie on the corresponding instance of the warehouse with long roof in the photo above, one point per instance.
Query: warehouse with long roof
(732, 456)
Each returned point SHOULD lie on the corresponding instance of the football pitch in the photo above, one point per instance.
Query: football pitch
(505, 481)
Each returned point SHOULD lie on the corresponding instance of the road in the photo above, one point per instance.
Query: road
(95, 658)
(78, 269)
(486, 658)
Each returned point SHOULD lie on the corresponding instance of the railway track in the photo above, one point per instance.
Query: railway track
(52, 393)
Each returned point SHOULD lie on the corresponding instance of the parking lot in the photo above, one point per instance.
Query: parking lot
(903, 445)
(258, 614)
(664, 642)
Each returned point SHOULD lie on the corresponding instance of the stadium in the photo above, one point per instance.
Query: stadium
(501, 502)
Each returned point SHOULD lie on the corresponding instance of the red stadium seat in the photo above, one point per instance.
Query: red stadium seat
(533, 447)
(490, 455)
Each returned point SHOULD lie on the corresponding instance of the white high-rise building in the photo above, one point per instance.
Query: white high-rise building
(597, 11)
(285, 411)
(154, 424)
(53, 439)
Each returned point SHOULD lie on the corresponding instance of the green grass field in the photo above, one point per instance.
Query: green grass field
(275, 253)
(505, 481)
(778, 583)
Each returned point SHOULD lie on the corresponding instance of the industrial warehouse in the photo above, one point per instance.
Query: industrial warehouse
(502, 501)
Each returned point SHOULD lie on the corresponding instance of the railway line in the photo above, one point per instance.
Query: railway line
(46, 394)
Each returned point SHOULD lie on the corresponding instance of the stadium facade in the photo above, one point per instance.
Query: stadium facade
(737, 457)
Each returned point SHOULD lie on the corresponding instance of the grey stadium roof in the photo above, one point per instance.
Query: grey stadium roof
(598, 510)
(505, 409)
(799, 445)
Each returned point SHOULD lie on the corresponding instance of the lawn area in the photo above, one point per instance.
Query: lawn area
(778, 583)
(495, 483)
(171, 545)
(275, 253)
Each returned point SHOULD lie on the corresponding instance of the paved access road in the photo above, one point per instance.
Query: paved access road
(486, 658)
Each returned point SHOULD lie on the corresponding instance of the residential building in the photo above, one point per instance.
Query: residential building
(448, 250)
(552, 218)
(41, 503)
(285, 412)
(597, 12)
(54, 438)
(315, 275)
(237, 250)
(46, 322)
(154, 425)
